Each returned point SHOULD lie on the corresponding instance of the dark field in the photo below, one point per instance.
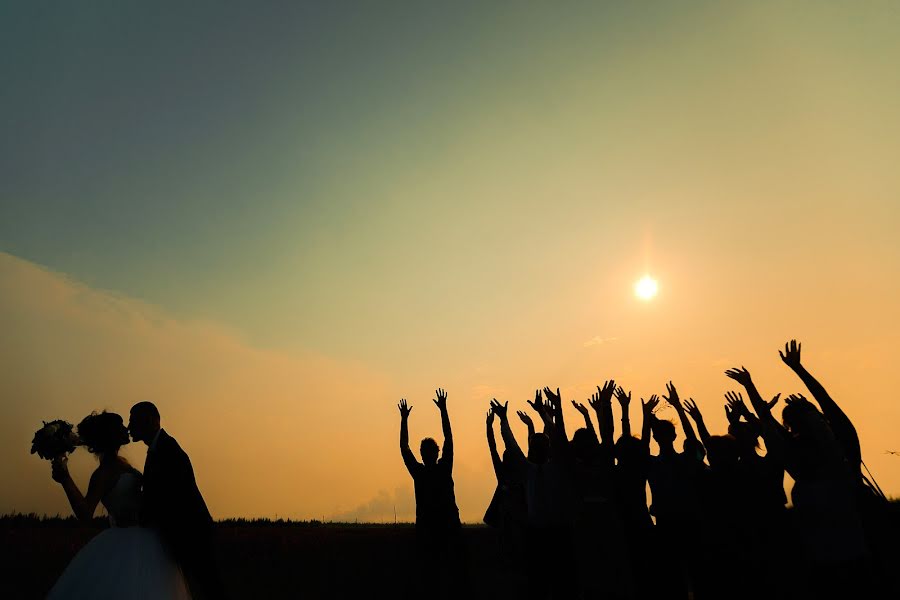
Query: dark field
(278, 559)
(267, 559)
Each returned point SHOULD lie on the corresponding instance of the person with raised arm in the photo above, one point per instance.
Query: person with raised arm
(526, 419)
(692, 447)
(547, 474)
(631, 471)
(601, 402)
(690, 407)
(647, 410)
(674, 481)
(840, 424)
(765, 474)
(724, 493)
(762, 504)
(438, 528)
(624, 399)
(598, 528)
(828, 524)
(496, 461)
(588, 424)
(507, 511)
(554, 406)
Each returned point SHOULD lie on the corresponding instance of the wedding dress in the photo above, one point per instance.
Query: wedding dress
(124, 562)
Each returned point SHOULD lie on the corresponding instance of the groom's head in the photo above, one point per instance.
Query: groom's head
(144, 422)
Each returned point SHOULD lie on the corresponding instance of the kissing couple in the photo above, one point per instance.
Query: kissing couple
(160, 541)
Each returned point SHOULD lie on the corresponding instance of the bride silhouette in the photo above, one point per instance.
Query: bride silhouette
(124, 561)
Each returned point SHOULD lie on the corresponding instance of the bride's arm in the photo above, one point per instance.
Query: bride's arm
(83, 506)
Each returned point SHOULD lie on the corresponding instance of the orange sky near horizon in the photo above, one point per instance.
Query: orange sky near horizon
(307, 436)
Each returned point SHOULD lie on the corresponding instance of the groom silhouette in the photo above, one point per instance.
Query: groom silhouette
(172, 503)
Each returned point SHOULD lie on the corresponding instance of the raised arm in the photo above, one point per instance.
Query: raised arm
(441, 403)
(647, 409)
(528, 422)
(624, 401)
(735, 408)
(551, 414)
(492, 446)
(587, 417)
(554, 401)
(538, 405)
(773, 432)
(762, 408)
(691, 409)
(840, 423)
(101, 482)
(409, 458)
(673, 400)
(601, 402)
(512, 446)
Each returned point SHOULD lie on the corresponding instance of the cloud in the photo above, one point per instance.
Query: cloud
(399, 505)
(261, 426)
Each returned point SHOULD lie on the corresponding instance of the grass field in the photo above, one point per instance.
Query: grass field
(288, 559)
(264, 559)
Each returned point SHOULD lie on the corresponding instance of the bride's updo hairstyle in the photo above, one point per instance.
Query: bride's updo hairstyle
(103, 433)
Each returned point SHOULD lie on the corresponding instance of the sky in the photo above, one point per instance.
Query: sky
(274, 220)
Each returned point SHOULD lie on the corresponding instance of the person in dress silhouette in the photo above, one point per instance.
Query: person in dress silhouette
(124, 561)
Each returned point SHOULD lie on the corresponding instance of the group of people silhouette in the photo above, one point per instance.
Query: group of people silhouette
(573, 517)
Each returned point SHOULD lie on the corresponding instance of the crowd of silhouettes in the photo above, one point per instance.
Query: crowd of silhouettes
(574, 521)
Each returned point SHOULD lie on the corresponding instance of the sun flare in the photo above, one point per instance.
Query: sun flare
(646, 288)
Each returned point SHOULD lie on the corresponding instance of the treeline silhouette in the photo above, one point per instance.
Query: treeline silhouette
(573, 518)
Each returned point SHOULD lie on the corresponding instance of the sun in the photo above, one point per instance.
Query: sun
(646, 288)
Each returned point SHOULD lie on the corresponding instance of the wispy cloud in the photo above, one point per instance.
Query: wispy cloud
(69, 349)
(599, 340)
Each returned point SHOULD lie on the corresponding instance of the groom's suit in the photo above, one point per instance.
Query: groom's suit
(173, 505)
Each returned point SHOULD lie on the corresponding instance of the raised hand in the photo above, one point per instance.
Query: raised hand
(791, 354)
(606, 392)
(623, 398)
(404, 408)
(735, 407)
(650, 405)
(691, 407)
(581, 407)
(490, 417)
(741, 375)
(59, 469)
(553, 400)
(774, 400)
(732, 416)
(672, 398)
(441, 401)
(735, 401)
(499, 409)
(525, 419)
(538, 403)
(795, 398)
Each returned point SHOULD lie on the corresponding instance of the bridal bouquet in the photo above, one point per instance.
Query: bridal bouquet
(54, 440)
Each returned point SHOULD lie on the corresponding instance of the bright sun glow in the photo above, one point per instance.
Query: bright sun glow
(646, 288)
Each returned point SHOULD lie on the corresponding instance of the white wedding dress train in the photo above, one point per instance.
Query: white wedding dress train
(122, 563)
